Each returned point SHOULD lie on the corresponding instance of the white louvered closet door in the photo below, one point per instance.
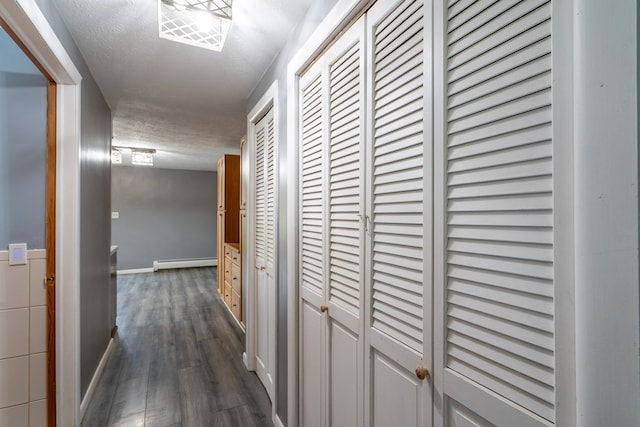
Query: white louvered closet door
(265, 250)
(332, 234)
(312, 246)
(399, 212)
(498, 349)
(345, 236)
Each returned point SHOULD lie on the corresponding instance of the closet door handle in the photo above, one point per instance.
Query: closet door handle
(324, 308)
(422, 372)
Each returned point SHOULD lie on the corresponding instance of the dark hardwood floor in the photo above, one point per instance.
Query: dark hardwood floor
(177, 360)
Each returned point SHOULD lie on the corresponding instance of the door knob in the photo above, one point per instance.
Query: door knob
(422, 372)
(50, 280)
(324, 308)
(262, 267)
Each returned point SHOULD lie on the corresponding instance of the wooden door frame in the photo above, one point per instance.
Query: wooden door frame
(50, 243)
(269, 100)
(32, 29)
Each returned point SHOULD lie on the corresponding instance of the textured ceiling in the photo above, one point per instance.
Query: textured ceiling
(187, 103)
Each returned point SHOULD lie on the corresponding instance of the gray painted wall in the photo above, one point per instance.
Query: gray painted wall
(95, 201)
(95, 230)
(164, 214)
(23, 148)
(278, 71)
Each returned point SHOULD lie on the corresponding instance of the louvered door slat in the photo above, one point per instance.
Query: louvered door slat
(512, 21)
(534, 270)
(523, 202)
(509, 109)
(396, 58)
(514, 186)
(270, 190)
(526, 333)
(344, 65)
(529, 370)
(491, 159)
(469, 61)
(345, 90)
(393, 86)
(516, 385)
(538, 321)
(499, 314)
(398, 177)
(395, 24)
(345, 134)
(528, 31)
(469, 12)
(457, 7)
(260, 193)
(532, 168)
(466, 91)
(464, 78)
(460, 27)
(312, 252)
(506, 234)
(345, 111)
(529, 286)
(498, 98)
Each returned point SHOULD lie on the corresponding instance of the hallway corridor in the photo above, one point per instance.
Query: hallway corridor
(178, 358)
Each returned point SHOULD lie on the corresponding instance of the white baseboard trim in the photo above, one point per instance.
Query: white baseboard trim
(245, 360)
(136, 271)
(184, 263)
(96, 377)
(276, 421)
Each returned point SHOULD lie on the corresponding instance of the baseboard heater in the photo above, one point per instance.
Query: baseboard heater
(184, 263)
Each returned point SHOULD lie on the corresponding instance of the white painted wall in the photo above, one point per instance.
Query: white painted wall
(606, 211)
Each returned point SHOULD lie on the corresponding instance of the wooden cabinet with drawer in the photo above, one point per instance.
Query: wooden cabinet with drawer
(229, 260)
(228, 210)
(232, 292)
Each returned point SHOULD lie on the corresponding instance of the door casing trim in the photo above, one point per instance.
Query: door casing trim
(267, 101)
(27, 21)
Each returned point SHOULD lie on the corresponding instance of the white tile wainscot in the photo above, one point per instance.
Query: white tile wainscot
(23, 341)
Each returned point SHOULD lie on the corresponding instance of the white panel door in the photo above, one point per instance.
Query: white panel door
(313, 348)
(332, 234)
(496, 357)
(344, 66)
(265, 250)
(399, 217)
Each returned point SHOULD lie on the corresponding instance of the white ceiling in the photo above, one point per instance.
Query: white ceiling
(188, 103)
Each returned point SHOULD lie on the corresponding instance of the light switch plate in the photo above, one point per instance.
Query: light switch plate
(17, 253)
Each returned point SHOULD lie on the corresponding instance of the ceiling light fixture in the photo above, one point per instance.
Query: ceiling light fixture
(139, 156)
(200, 23)
(116, 156)
(142, 157)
